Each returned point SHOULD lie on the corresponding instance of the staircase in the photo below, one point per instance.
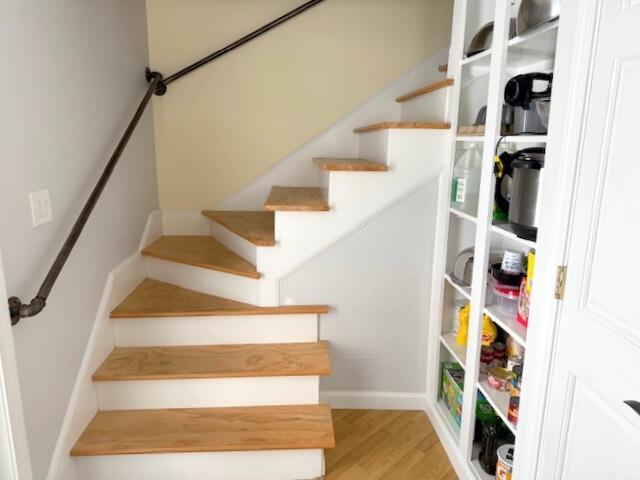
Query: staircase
(211, 377)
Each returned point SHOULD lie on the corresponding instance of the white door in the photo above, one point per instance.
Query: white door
(589, 432)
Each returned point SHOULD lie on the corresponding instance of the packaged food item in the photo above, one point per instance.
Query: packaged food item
(514, 406)
(504, 467)
(486, 359)
(452, 389)
(499, 351)
(499, 378)
(455, 319)
(524, 300)
(489, 331)
(463, 329)
(515, 353)
(512, 262)
(516, 381)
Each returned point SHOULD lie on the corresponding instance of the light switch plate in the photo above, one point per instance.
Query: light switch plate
(40, 207)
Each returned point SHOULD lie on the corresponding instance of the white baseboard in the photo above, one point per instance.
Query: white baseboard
(374, 400)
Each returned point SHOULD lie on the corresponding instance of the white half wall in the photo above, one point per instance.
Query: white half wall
(73, 77)
(377, 281)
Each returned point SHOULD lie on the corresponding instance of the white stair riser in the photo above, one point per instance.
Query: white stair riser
(203, 393)
(235, 287)
(227, 330)
(414, 156)
(425, 108)
(242, 247)
(261, 465)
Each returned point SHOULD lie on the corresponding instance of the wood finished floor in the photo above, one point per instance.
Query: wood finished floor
(386, 445)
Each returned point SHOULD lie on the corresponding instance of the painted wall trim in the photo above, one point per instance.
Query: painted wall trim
(12, 423)
(83, 403)
(374, 400)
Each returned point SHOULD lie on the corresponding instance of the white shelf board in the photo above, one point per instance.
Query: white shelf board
(454, 429)
(525, 139)
(464, 291)
(470, 138)
(509, 325)
(461, 214)
(504, 230)
(458, 352)
(482, 59)
(498, 400)
(534, 46)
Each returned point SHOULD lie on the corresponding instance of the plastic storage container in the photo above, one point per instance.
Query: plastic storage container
(506, 297)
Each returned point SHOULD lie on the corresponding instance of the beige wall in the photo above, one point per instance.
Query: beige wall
(219, 128)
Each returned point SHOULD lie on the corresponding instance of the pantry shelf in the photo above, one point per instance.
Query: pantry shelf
(525, 139)
(458, 352)
(470, 138)
(509, 325)
(464, 291)
(461, 214)
(535, 46)
(482, 59)
(498, 400)
(503, 229)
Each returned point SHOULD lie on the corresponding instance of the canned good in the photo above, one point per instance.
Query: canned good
(504, 467)
(514, 407)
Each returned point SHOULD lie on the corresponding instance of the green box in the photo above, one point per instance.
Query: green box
(452, 388)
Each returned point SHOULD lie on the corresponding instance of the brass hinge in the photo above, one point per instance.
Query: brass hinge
(561, 281)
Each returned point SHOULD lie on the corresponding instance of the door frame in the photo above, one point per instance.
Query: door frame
(14, 451)
(571, 93)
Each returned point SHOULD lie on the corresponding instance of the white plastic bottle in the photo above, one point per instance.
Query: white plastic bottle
(465, 186)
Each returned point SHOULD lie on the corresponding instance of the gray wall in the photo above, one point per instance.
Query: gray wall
(377, 282)
(72, 72)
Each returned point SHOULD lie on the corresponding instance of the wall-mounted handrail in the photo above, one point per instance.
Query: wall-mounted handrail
(157, 85)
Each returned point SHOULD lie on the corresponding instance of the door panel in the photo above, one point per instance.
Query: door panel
(589, 432)
(599, 440)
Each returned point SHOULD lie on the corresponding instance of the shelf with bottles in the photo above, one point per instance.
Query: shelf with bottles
(501, 359)
(465, 181)
(491, 435)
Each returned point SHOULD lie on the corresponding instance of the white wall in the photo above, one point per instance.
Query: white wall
(72, 77)
(377, 281)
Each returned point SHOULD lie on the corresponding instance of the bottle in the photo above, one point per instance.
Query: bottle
(465, 187)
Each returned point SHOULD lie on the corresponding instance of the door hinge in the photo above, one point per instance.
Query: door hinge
(561, 281)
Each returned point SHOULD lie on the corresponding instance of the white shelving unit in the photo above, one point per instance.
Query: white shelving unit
(479, 80)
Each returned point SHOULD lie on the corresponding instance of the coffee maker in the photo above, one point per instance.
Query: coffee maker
(527, 110)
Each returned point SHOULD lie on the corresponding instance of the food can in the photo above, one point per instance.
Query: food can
(514, 407)
(504, 467)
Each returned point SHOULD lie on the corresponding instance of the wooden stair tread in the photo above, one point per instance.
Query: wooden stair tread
(402, 125)
(201, 251)
(432, 87)
(296, 199)
(255, 227)
(349, 165)
(152, 298)
(215, 361)
(180, 430)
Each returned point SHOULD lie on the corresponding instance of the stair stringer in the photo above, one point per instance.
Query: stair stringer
(413, 157)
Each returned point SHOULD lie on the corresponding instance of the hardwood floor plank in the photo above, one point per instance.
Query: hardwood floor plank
(386, 445)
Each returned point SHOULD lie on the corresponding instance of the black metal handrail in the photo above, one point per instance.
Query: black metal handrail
(158, 85)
